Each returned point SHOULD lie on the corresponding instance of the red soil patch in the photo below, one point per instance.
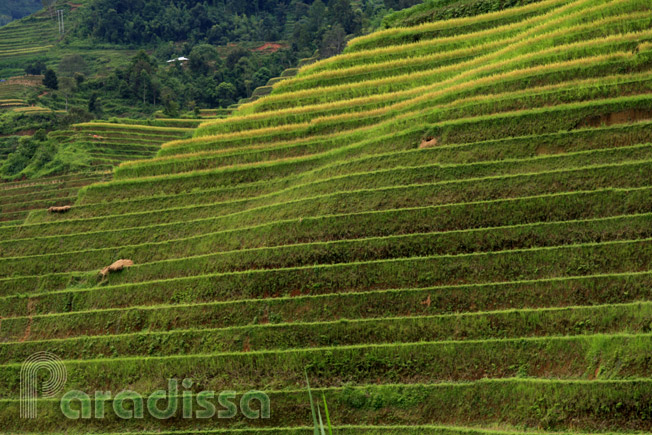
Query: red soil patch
(271, 47)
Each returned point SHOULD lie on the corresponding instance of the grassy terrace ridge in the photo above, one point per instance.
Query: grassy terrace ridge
(321, 145)
(100, 126)
(518, 211)
(475, 91)
(110, 143)
(406, 221)
(23, 190)
(416, 404)
(386, 99)
(447, 228)
(459, 26)
(404, 46)
(17, 199)
(413, 64)
(268, 170)
(487, 56)
(352, 249)
(327, 252)
(518, 147)
(457, 300)
(298, 114)
(439, 270)
(513, 323)
(571, 113)
(379, 193)
(9, 185)
(559, 358)
(572, 41)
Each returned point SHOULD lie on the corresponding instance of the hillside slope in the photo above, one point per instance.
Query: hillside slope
(232, 47)
(448, 228)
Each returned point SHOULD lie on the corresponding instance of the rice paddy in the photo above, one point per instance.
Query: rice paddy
(447, 228)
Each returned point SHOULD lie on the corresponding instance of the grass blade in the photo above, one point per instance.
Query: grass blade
(328, 418)
(321, 422)
(312, 405)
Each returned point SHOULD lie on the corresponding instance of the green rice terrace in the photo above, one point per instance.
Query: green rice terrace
(447, 229)
(33, 35)
(105, 146)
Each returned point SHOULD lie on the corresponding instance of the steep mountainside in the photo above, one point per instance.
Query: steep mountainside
(447, 229)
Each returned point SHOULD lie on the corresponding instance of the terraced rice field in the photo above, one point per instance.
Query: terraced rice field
(448, 227)
(110, 143)
(12, 103)
(32, 109)
(18, 198)
(30, 36)
(14, 88)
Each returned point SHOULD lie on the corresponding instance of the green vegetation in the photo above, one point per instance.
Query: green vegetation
(439, 10)
(445, 229)
(14, 9)
(113, 59)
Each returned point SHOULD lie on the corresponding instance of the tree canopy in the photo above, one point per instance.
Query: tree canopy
(218, 22)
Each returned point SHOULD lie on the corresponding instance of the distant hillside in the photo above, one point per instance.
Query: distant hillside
(114, 59)
(14, 9)
(222, 40)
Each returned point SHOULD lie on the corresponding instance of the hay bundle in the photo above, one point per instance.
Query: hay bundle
(428, 142)
(116, 267)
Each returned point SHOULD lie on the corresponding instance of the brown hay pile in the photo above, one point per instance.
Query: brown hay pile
(116, 267)
(428, 142)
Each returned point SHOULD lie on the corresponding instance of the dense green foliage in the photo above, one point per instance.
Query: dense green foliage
(225, 21)
(14, 9)
(192, 29)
